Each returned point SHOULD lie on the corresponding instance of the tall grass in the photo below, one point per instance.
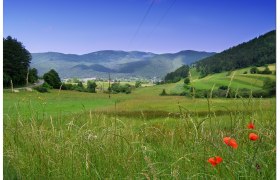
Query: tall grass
(91, 145)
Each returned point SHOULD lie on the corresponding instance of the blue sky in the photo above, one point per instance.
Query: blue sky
(159, 26)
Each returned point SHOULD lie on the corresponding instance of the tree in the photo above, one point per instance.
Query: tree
(52, 78)
(187, 80)
(118, 88)
(270, 86)
(138, 84)
(254, 70)
(33, 75)
(16, 60)
(91, 86)
(163, 93)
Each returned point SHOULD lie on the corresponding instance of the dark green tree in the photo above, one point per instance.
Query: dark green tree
(80, 84)
(52, 78)
(33, 75)
(163, 93)
(187, 80)
(91, 86)
(254, 70)
(16, 60)
(270, 86)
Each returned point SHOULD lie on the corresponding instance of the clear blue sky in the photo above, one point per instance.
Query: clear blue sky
(159, 26)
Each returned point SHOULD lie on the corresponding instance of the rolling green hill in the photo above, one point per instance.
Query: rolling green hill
(234, 79)
(239, 79)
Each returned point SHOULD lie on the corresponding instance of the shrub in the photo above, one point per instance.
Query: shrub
(67, 86)
(270, 86)
(41, 89)
(163, 93)
(223, 87)
(254, 70)
(91, 86)
(138, 84)
(46, 85)
(118, 88)
(187, 80)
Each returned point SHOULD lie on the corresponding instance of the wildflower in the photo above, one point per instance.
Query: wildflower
(253, 137)
(251, 126)
(215, 160)
(231, 142)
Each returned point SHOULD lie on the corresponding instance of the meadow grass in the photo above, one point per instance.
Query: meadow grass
(55, 102)
(88, 144)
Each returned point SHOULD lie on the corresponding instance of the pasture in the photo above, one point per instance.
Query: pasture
(75, 135)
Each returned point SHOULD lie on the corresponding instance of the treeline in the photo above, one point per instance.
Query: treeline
(52, 81)
(177, 75)
(256, 52)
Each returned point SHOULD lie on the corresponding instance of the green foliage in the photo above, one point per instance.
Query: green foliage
(41, 89)
(33, 75)
(46, 85)
(80, 84)
(119, 88)
(91, 86)
(163, 93)
(67, 86)
(179, 73)
(270, 86)
(187, 80)
(254, 70)
(138, 84)
(52, 78)
(257, 52)
(16, 60)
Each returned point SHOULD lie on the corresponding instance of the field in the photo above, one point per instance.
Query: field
(235, 79)
(77, 135)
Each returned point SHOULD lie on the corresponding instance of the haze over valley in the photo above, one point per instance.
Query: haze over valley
(120, 64)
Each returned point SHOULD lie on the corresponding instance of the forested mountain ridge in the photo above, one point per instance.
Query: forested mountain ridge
(256, 52)
(119, 63)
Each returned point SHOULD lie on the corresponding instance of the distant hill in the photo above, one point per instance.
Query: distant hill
(119, 63)
(256, 52)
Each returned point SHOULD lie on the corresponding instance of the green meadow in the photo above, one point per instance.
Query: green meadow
(78, 135)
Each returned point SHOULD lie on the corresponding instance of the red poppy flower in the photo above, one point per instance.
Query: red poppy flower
(231, 142)
(253, 137)
(251, 126)
(215, 160)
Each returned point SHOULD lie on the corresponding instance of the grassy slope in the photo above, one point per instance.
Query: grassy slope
(240, 80)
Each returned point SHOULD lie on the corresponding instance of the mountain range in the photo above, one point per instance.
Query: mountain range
(120, 64)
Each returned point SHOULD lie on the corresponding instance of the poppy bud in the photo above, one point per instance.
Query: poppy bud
(251, 126)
